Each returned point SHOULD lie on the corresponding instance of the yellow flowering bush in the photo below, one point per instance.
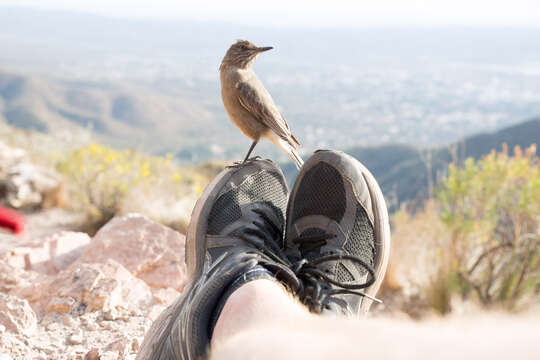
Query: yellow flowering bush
(103, 182)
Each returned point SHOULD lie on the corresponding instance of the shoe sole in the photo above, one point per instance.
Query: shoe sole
(381, 224)
(382, 233)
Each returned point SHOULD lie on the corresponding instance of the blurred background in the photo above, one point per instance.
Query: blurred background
(113, 106)
(345, 73)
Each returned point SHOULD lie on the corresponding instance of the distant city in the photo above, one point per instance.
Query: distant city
(155, 84)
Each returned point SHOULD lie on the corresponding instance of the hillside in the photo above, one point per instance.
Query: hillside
(129, 115)
(154, 85)
(402, 169)
(118, 113)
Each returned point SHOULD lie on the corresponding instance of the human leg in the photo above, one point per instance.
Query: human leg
(337, 238)
(261, 320)
(255, 303)
(237, 231)
(234, 237)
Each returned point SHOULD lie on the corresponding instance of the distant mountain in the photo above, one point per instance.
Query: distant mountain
(402, 170)
(136, 115)
(155, 84)
(119, 113)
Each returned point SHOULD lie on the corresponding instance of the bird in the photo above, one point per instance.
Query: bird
(249, 105)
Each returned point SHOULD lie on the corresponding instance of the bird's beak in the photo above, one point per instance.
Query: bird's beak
(263, 49)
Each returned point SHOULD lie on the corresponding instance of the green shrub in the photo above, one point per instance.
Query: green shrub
(491, 209)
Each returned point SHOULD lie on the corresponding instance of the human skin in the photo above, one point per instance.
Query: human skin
(262, 321)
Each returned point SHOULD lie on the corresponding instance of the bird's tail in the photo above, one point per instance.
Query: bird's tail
(291, 149)
(295, 157)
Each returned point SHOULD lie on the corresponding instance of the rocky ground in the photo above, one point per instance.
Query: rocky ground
(64, 295)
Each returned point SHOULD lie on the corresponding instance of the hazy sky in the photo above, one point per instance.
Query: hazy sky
(315, 13)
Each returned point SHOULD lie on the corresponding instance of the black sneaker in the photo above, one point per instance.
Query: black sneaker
(337, 234)
(235, 235)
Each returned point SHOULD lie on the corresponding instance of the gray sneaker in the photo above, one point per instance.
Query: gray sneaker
(337, 234)
(235, 235)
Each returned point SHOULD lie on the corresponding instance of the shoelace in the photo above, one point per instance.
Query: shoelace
(266, 230)
(317, 292)
(265, 235)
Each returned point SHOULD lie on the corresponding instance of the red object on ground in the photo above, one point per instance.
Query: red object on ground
(12, 220)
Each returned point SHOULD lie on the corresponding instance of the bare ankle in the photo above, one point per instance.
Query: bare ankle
(255, 303)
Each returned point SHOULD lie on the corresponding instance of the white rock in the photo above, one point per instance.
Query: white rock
(109, 355)
(120, 345)
(16, 315)
(106, 287)
(76, 338)
(150, 251)
(48, 255)
(32, 186)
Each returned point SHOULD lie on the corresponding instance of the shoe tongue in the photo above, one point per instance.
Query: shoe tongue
(311, 254)
(312, 231)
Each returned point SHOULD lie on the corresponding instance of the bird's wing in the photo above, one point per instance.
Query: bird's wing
(256, 99)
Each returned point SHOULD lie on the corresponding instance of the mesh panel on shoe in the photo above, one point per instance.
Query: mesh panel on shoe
(225, 211)
(361, 240)
(342, 274)
(321, 192)
(263, 186)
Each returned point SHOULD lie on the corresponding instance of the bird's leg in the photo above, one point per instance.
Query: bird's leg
(239, 163)
(250, 150)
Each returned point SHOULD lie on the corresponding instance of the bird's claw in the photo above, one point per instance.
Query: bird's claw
(240, 163)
